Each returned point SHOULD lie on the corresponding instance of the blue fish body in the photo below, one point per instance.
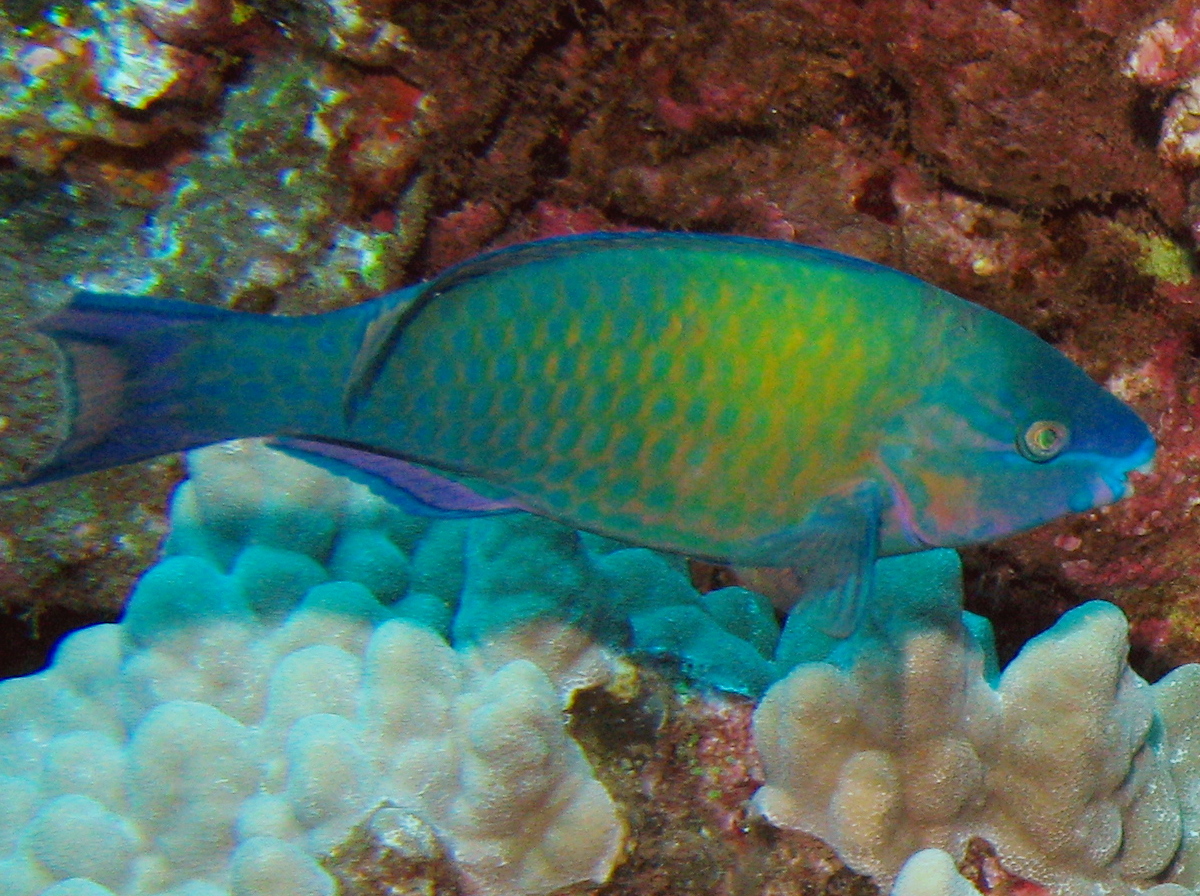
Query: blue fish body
(745, 401)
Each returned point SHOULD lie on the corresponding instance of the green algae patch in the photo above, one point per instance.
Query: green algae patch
(1161, 257)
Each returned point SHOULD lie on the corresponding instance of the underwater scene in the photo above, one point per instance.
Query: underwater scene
(616, 447)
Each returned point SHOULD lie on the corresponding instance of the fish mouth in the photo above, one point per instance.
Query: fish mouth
(1142, 460)
(1117, 486)
(1116, 482)
(1106, 487)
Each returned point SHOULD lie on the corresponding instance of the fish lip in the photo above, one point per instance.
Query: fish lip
(1148, 449)
(1118, 487)
(1139, 461)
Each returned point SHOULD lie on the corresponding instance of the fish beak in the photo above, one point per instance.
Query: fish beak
(1141, 462)
(1118, 487)
(1146, 451)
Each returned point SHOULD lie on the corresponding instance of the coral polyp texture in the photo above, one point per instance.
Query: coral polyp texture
(312, 690)
(1078, 771)
(258, 701)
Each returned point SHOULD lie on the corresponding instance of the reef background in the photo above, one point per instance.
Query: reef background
(293, 156)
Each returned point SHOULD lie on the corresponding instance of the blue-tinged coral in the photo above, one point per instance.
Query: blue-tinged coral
(792, 120)
(254, 705)
(703, 140)
(312, 686)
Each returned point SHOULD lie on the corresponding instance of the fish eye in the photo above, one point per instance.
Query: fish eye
(1043, 440)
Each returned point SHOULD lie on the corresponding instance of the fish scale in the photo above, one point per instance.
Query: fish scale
(747, 401)
(686, 342)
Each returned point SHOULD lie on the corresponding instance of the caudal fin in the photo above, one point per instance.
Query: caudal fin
(133, 379)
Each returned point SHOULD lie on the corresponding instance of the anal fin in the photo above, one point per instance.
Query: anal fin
(414, 487)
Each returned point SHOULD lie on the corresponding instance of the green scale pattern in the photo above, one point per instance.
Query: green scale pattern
(696, 398)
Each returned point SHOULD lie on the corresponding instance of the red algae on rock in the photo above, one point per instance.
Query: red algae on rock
(1022, 101)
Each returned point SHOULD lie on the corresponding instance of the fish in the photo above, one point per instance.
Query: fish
(743, 401)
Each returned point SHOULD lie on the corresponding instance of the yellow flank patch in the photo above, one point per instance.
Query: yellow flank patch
(708, 404)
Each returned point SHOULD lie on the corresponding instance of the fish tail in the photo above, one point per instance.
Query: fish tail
(150, 376)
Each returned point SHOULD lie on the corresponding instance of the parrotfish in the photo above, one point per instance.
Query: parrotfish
(744, 401)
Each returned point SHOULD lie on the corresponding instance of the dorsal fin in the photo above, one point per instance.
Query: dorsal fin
(382, 334)
(377, 341)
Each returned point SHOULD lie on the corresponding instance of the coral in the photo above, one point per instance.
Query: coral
(1168, 51)
(799, 120)
(253, 706)
(80, 78)
(217, 798)
(281, 705)
(931, 872)
(1166, 58)
(194, 22)
(725, 638)
(1179, 142)
(1069, 763)
(295, 634)
(313, 687)
(135, 69)
(270, 209)
(977, 144)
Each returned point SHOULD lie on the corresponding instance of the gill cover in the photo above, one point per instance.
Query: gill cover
(1013, 435)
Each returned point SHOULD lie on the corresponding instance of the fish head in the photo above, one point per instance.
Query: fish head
(1010, 434)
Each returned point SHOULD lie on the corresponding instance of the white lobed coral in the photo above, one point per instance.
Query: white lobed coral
(931, 872)
(252, 707)
(906, 739)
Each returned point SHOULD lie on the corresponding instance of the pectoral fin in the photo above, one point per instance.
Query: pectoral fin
(378, 341)
(832, 558)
